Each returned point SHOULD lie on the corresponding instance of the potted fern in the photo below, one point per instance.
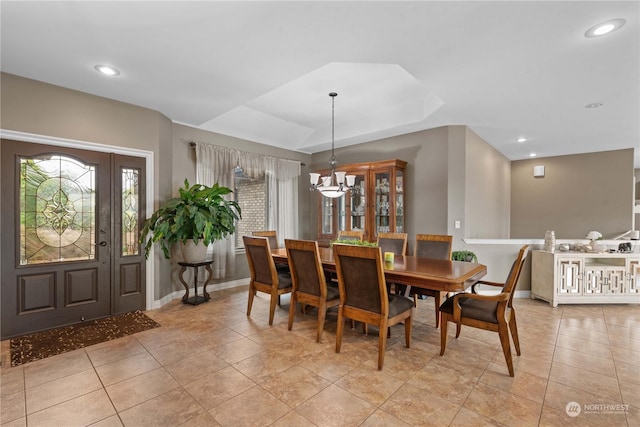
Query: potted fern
(198, 217)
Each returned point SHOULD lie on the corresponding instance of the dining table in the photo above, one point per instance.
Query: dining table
(425, 273)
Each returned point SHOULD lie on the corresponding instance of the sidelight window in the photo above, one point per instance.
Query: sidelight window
(130, 226)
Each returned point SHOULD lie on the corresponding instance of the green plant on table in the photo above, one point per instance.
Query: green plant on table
(467, 256)
(354, 242)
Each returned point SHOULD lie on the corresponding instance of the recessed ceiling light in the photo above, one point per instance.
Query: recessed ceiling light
(532, 154)
(594, 105)
(604, 28)
(521, 139)
(107, 70)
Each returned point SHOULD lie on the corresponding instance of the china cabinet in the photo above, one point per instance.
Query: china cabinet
(582, 278)
(375, 203)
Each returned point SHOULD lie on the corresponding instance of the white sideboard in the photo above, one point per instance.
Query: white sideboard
(583, 278)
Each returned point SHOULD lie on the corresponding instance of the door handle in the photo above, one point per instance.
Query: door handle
(103, 243)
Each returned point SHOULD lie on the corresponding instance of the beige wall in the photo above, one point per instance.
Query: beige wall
(452, 174)
(443, 184)
(424, 153)
(40, 108)
(34, 107)
(487, 190)
(578, 193)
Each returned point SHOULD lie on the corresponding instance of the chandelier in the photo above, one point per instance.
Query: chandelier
(327, 186)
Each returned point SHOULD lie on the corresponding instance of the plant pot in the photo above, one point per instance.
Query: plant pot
(193, 253)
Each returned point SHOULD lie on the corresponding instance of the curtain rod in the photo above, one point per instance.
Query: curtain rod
(193, 145)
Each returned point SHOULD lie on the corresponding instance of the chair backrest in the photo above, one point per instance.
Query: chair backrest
(393, 242)
(261, 264)
(271, 235)
(361, 278)
(351, 235)
(514, 273)
(433, 246)
(305, 265)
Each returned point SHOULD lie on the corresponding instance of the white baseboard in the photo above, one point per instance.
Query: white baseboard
(214, 287)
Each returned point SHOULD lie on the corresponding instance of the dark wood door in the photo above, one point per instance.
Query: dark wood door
(59, 222)
(128, 179)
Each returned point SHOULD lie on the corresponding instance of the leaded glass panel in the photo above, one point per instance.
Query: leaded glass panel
(57, 210)
(130, 197)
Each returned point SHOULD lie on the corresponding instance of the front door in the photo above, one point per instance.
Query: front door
(69, 223)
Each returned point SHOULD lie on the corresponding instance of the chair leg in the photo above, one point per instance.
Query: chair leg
(382, 344)
(365, 328)
(272, 307)
(444, 320)
(252, 293)
(437, 299)
(322, 313)
(407, 291)
(407, 332)
(506, 348)
(292, 310)
(513, 327)
(339, 330)
(458, 329)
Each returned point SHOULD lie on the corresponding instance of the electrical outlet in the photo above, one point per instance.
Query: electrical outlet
(457, 224)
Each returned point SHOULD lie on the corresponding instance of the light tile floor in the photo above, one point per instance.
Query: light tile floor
(211, 365)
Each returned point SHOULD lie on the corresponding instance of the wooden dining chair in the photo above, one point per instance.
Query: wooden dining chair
(488, 312)
(350, 235)
(264, 275)
(364, 297)
(273, 244)
(346, 235)
(269, 234)
(309, 282)
(395, 243)
(433, 246)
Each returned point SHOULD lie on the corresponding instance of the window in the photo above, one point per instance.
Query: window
(57, 210)
(251, 195)
(265, 187)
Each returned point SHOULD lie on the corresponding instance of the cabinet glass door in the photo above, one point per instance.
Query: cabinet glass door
(327, 215)
(382, 195)
(358, 204)
(399, 202)
(341, 209)
(333, 214)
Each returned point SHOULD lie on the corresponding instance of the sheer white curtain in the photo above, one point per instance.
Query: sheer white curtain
(215, 165)
(282, 183)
